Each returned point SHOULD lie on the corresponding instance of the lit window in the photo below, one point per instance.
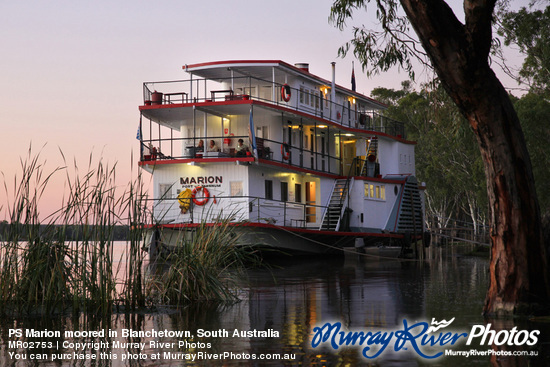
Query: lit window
(375, 191)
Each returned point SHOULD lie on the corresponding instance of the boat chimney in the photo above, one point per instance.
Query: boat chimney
(303, 66)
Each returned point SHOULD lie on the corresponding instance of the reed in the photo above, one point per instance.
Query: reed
(136, 201)
(205, 268)
(32, 270)
(41, 271)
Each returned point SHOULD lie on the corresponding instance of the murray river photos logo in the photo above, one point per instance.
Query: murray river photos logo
(429, 341)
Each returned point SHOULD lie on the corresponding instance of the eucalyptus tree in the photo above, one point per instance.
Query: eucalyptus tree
(530, 31)
(534, 113)
(459, 52)
(446, 154)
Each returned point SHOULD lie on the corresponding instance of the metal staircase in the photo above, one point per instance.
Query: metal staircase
(372, 153)
(336, 205)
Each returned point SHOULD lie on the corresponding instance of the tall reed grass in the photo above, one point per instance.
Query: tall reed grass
(42, 271)
(206, 267)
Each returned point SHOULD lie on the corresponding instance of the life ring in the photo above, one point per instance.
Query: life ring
(285, 92)
(205, 195)
(285, 151)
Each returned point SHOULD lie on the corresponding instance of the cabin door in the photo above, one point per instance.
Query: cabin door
(348, 153)
(310, 202)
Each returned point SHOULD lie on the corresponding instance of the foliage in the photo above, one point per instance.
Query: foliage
(459, 52)
(44, 270)
(534, 113)
(204, 268)
(447, 158)
(531, 32)
(379, 50)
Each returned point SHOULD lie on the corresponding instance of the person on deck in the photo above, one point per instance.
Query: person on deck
(213, 147)
(200, 147)
(241, 148)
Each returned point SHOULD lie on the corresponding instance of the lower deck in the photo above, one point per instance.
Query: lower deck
(258, 194)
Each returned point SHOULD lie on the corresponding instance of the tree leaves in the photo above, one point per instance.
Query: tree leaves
(379, 50)
(531, 32)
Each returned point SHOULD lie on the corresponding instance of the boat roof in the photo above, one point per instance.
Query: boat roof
(265, 69)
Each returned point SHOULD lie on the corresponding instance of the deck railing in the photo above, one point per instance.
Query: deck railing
(187, 148)
(347, 114)
(242, 208)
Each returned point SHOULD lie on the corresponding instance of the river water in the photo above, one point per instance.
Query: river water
(282, 305)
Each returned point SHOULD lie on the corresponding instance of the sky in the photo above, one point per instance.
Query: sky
(72, 71)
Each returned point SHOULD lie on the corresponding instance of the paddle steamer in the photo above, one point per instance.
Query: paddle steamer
(299, 162)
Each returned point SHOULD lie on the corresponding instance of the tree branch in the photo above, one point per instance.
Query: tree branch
(479, 15)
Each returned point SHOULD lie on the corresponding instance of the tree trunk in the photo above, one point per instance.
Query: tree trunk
(459, 53)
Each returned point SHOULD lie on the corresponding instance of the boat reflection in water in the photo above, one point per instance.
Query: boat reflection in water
(287, 302)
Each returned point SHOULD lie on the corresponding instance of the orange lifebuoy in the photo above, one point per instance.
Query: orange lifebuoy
(205, 195)
(285, 92)
(285, 151)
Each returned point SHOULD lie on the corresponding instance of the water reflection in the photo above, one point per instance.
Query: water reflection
(290, 299)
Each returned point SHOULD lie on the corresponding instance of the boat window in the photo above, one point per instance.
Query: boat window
(317, 99)
(269, 189)
(236, 188)
(165, 191)
(262, 132)
(284, 191)
(375, 191)
(303, 96)
(298, 193)
(383, 192)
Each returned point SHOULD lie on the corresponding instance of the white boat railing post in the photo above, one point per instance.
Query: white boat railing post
(274, 87)
(191, 87)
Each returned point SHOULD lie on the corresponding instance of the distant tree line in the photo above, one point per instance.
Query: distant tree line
(70, 232)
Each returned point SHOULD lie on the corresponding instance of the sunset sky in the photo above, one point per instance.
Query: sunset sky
(72, 71)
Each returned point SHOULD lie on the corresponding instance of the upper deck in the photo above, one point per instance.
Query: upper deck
(294, 119)
(228, 87)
